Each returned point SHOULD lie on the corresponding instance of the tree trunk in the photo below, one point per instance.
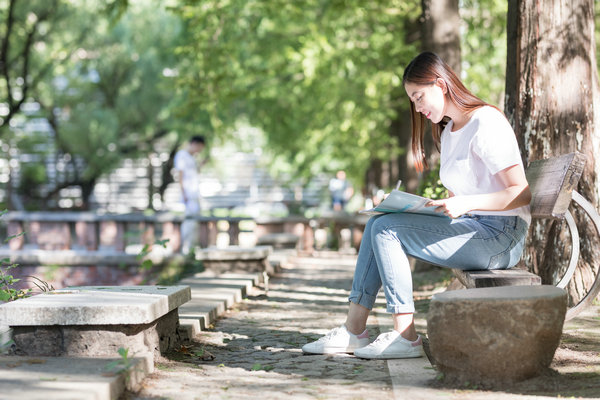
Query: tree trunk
(551, 101)
(440, 33)
(440, 30)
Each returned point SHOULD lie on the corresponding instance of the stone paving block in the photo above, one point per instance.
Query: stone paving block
(244, 285)
(189, 327)
(205, 311)
(66, 378)
(236, 259)
(212, 294)
(229, 296)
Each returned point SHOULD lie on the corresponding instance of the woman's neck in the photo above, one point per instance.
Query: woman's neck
(459, 118)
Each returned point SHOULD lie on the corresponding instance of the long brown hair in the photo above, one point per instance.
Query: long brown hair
(424, 69)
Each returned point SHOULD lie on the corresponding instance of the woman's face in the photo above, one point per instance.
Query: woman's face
(429, 100)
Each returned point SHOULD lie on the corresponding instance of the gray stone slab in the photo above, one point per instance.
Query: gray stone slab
(67, 378)
(255, 278)
(188, 328)
(212, 293)
(229, 295)
(279, 240)
(5, 336)
(78, 257)
(233, 253)
(501, 293)
(243, 285)
(205, 310)
(95, 305)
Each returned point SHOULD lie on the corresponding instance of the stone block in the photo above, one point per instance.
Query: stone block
(495, 335)
(236, 259)
(279, 240)
(97, 321)
(70, 378)
(155, 338)
(95, 305)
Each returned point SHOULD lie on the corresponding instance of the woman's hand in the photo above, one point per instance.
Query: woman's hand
(516, 194)
(453, 207)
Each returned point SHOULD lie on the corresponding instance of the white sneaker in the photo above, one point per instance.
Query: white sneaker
(391, 345)
(338, 340)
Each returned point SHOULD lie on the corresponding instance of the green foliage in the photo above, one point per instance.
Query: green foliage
(146, 263)
(260, 367)
(322, 80)
(318, 82)
(7, 282)
(431, 185)
(179, 268)
(107, 89)
(122, 365)
(483, 48)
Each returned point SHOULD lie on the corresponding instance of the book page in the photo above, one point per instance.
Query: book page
(398, 201)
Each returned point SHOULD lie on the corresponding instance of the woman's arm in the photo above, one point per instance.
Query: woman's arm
(516, 194)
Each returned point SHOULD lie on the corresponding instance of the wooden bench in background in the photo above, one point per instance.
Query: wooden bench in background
(552, 182)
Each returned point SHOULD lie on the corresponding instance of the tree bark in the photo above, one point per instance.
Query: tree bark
(552, 101)
(440, 30)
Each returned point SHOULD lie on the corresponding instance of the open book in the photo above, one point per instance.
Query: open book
(398, 201)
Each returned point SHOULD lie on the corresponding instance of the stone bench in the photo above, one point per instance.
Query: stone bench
(96, 320)
(492, 336)
(279, 240)
(236, 259)
(552, 182)
(41, 257)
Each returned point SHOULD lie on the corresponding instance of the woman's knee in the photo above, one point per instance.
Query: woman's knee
(382, 223)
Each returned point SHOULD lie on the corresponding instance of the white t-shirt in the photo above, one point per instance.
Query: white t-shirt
(472, 156)
(185, 162)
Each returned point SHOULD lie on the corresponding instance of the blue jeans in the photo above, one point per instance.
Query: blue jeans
(467, 243)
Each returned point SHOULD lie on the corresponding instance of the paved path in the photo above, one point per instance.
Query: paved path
(257, 346)
(254, 351)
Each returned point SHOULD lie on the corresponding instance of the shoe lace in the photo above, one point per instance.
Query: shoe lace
(384, 338)
(331, 334)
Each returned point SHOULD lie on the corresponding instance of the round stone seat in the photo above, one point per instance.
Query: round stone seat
(495, 335)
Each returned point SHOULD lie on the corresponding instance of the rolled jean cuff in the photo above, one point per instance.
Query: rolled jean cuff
(401, 309)
(362, 299)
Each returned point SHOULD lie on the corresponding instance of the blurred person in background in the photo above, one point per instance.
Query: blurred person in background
(340, 191)
(187, 172)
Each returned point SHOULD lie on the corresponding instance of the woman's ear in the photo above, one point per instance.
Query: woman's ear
(442, 84)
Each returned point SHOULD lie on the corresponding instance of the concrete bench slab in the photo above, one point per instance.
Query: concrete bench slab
(76, 257)
(498, 277)
(241, 286)
(95, 305)
(236, 259)
(205, 311)
(233, 253)
(279, 240)
(96, 321)
(68, 378)
(495, 335)
(251, 279)
(211, 295)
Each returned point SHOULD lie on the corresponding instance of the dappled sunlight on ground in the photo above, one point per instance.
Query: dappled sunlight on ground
(255, 350)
